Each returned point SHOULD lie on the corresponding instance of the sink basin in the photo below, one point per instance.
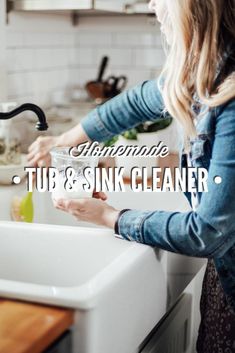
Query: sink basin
(64, 265)
(118, 288)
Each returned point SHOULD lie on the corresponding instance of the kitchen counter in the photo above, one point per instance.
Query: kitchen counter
(31, 328)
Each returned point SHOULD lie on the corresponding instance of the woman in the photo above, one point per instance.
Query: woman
(198, 89)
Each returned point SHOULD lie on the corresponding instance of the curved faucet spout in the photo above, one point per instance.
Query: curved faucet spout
(41, 124)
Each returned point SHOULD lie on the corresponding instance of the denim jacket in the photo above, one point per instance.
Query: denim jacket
(207, 232)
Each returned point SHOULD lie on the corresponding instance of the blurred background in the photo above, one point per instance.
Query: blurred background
(48, 57)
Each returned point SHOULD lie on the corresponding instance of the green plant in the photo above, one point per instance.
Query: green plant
(132, 134)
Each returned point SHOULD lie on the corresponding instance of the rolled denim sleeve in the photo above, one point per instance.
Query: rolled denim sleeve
(127, 110)
(210, 230)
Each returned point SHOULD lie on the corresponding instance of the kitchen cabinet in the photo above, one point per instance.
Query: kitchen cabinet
(82, 6)
(178, 330)
(62, 345)
(172, 334)
(62, 5)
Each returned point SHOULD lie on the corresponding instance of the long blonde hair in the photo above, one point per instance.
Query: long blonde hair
(201, 31)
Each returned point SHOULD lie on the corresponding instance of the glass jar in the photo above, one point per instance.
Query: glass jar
(61, 160)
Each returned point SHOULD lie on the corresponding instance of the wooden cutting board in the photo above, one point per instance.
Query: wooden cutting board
(31, 328)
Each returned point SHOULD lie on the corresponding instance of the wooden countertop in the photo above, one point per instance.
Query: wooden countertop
(31, 328)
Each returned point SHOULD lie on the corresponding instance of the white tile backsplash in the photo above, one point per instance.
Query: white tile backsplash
(45, 52)
(119, 57)
(149, 57)
(38, 51)
(19, 59)
(15, 39)
(138, 40)
(19, 84)
(84, 57)
(93, 39)
(3, 76)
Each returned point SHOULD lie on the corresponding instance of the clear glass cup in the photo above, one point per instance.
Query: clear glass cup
(61, 160)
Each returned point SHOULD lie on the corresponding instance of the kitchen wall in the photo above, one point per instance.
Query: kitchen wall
(3, 90)
(45, 52)
(38, 54)
(132, 43)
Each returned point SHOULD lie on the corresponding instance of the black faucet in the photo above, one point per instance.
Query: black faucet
(42, 123)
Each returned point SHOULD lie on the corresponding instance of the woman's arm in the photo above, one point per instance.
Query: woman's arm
(129, 109)
(132, 107)
(139, 104)
(208, 232)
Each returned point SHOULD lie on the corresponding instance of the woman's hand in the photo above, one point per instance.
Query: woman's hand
(93, 210)
(39, 151)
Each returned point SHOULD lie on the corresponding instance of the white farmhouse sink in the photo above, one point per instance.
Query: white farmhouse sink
(64, 265)
(118, 288)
